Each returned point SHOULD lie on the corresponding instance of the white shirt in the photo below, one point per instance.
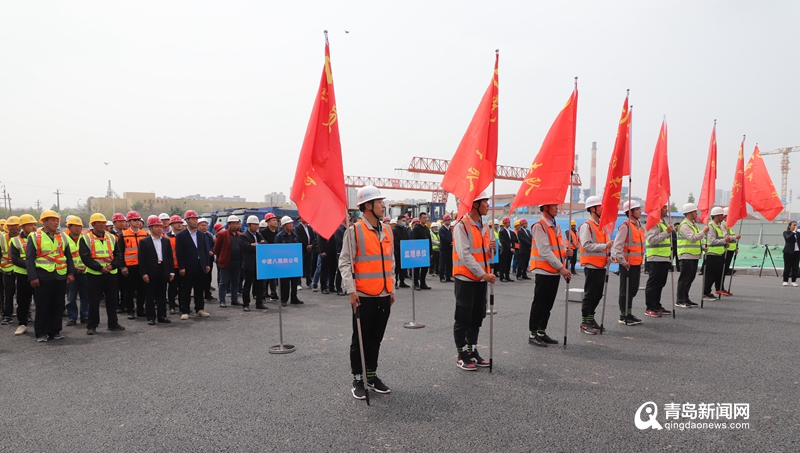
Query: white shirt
(157, 245)
(194, 236)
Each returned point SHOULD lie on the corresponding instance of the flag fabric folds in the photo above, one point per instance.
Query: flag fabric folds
(549, 175)
(737, 208)
(709, 190)
(474, 163)
(658, 190)
(618, 167)
(318, 188)
(758, 188)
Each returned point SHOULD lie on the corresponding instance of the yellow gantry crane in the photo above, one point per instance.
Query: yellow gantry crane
(784, 169)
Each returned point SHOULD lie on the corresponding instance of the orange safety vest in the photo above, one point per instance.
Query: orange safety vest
(596, 259)
(174, 252)
(554, 237)
(372, 264)
(479, 249)
(131, 240)
(634, 252)
(572, 239)
(516, 244)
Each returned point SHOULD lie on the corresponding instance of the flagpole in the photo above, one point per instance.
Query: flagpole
(605, 285)
(671, 255)
(491, 291)
(630, 199)
(569, 225)
(733, 264)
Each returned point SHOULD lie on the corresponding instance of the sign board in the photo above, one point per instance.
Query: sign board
(414, 253)
(279, 261)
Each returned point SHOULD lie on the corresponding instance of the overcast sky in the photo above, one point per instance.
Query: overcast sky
(214, 97)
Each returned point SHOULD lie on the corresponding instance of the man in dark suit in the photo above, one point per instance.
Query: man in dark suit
(446, 250)
(524, 237)
(288, 286)
(192, 252)
(421, 231)
(507, 240)
(308, 237)
(249, 240)
(399, 233)
(157, 268)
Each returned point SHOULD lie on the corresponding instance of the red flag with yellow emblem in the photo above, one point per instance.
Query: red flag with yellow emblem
(758, 188)
(318, 188)
(619, 167)
(737, 208)
(473, 166)
(709, 190)
(549, 175)
(658, 191)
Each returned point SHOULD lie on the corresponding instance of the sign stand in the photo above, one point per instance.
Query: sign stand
(281, 348)
(279, 261)
(414, 254)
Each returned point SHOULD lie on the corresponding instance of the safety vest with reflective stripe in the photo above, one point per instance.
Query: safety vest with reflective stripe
(20, 243)
(516, 244)
(663, 248)
(50, 253)
(596, 259)
(74, 249)
(478, 248)
(634, 245)
(131, 240)
(554, 237)
(5, 253)
(435, 237)
(172, 238)
(372, 264)
(572, 239)
(102, 249)
(718, 250)
(686, 246)
(731, 245)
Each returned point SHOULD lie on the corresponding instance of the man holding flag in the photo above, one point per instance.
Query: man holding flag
(628, 249)
(659, 257)
(689, 252)
(717, 241)
(595, 244)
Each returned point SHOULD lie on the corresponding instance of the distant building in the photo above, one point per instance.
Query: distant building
(722, 197)
(275, 199)
(233, 199)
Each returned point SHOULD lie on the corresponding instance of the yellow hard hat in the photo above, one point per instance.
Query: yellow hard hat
(48, 214)
(2, 222)
(27, 219)
(13, 220)
(97, 217)
(572, 222)
(516, 223)
(74, 220)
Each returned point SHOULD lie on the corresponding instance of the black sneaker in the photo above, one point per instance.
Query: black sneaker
(42, 339)
(664, 311)
(377, 385)
(625, 321)
(587, 328)
(536, 340)
(691, 304)
(547, 339)
(465, 362)
(57, 336)
(634, 319)
(478, 360)
(273, 297)
(682, 305)
(596, 326)
(5, 321)
(358, 390)
(709, 297)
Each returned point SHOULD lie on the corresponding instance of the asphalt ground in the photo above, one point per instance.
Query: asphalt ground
(211, 385)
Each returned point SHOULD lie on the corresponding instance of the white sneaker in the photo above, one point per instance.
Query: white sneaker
(21, 330)
(299, 287)
(184, 317)
(202, 314)
(794, 284)
(786, 284)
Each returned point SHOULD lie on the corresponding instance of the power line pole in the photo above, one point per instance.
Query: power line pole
(58, 198)
(5, 199)
(38, 205)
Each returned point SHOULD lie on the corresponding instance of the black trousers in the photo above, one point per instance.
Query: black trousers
(50, 299)
(470, 311)
(252, 286)
(544, 295)
(572, 260)
(419, 276)
(400, 274)
(790, 261)
(445, 264)
(273, 286)
(374, 313)
(208, 277)
(659, 271)
(628, 282)
(505, 264)
(688, 273)
(522, 266)
(728, 259)
(309, 266)
(9, 288)
(134, 288)
(289, 288)
(156, 302)
(99, 286)
(327, 274)
(434, 262)
(592, 290)
(714, 270)
(174, 289)
(192, 283)
(24, 294)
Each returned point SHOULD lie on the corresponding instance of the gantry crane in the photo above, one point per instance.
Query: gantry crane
(434, 166)
(784, 169)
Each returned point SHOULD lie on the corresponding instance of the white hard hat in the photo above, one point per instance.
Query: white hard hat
(252, 219)
(109, 223)
(262, 224)
(286, 219)
(435, 224)
(593, 201)
(202, 219)
(689, 207)
(716, 210)
(628, 205)
(481, 196)
(725, 211)
(233, 218)
(393, 222)
(184, 223)
(496, 222)
(163, 216)
(365, 194)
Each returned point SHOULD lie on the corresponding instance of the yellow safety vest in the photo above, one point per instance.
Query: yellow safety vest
(50, 252)
(102, 250)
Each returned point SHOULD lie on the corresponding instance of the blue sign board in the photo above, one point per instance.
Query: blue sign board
(279, 261)
(414, 253)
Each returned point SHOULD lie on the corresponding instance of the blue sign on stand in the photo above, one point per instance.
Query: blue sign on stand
(279, 261)
(414, 253)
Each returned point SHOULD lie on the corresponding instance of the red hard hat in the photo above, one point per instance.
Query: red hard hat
(447, 217)
(217, 226)
(506, 219)
(191, 214)
(385, 220)
(407, 216)
(175, 219)
(414, 220)
(153, 220)
(133, 215)
(269, 216)
(118, 217)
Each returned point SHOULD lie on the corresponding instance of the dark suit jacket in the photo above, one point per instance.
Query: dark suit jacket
(507, 240)
(524, 238)
(304, 239)
(148, 259)
(791, 239)
(445, 239)
(190, 258)
(248, 251)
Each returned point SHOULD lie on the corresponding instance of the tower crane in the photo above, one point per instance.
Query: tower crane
(784, 168)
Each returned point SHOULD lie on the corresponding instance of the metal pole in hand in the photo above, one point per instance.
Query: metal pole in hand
(672, 257)
(361, 350)
(733, 264)
(491, 292)
(705, 273)
(413, 324)
(566, 261)
(605, 293)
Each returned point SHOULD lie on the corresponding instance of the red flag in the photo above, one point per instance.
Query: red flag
(709, 190)
(758, 188)
(658, 190)
(473, 166)
(318, 188)
(619, 167)
(550, 172)
(737, 209)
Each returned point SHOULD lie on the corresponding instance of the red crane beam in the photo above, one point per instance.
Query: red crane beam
(439, 194)
(433, 166)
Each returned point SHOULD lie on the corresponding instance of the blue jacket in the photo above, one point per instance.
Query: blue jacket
(283, 238)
